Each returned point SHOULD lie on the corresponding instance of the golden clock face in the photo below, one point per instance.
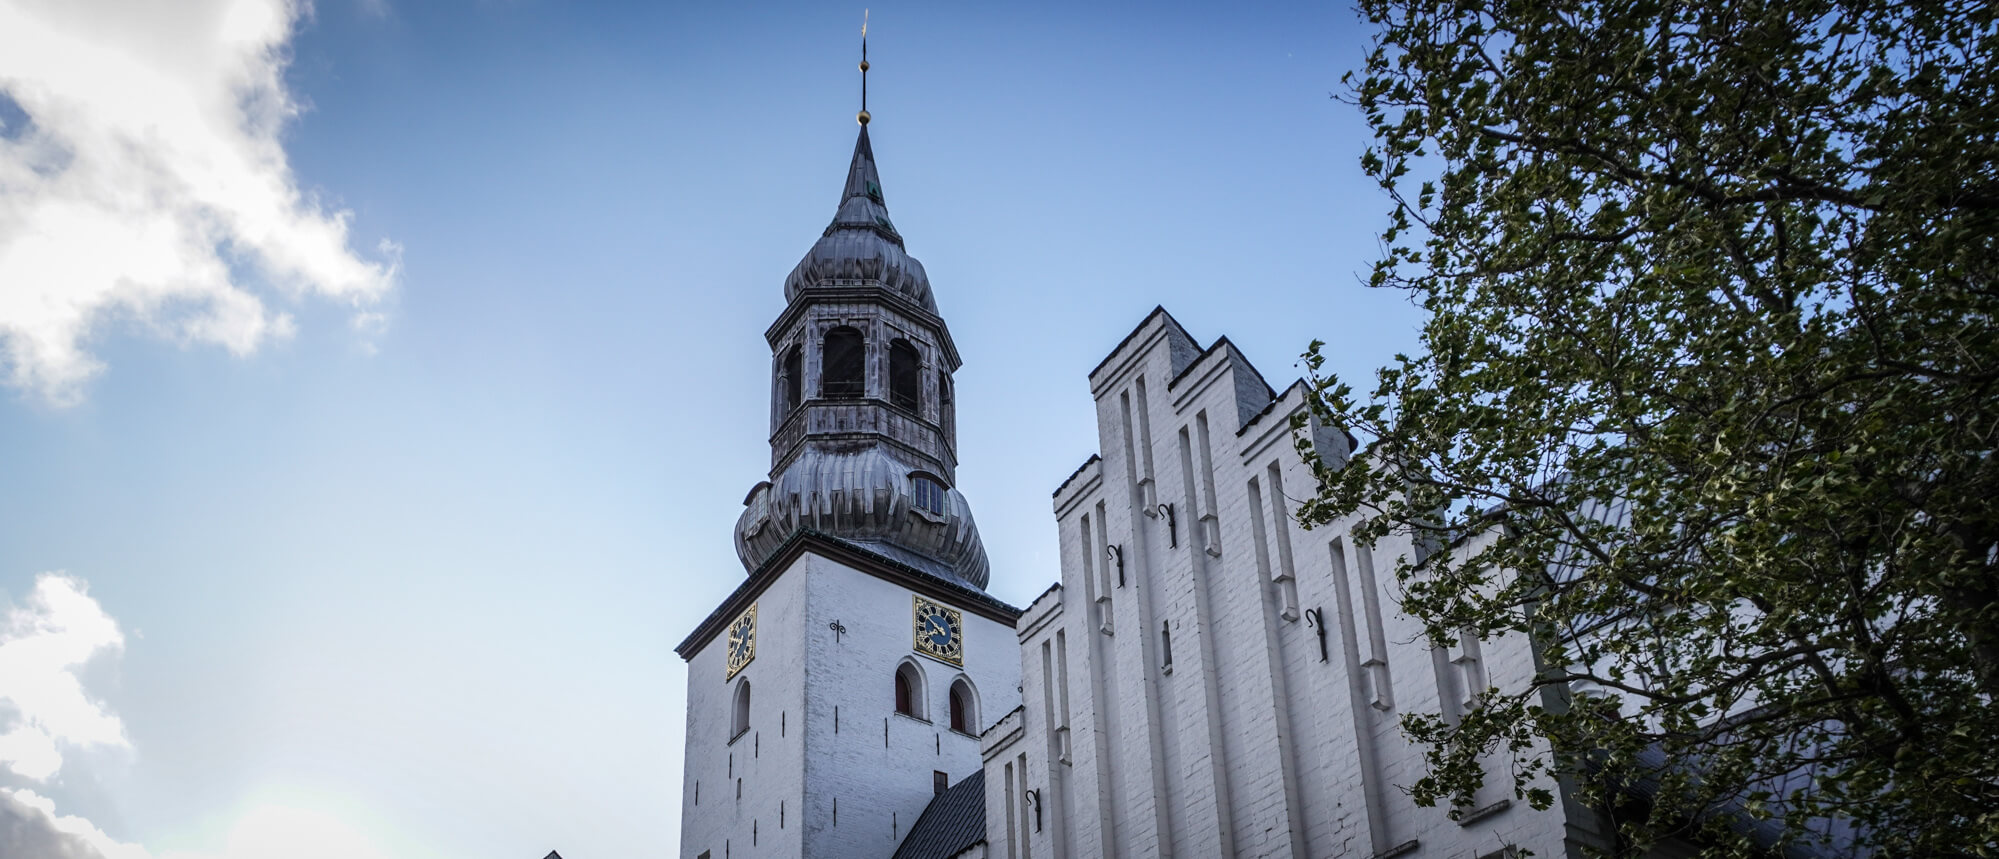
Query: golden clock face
(940, 632)
(742, 641)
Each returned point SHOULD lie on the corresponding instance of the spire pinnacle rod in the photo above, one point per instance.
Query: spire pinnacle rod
(863, 117)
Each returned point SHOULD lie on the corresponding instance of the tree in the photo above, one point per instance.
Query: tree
(1704, 401)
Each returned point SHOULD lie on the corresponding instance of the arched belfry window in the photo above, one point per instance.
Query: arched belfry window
(793, 382)
(741, 722)
(905, 374)
(909, 690)
(964, 707)
(843, 364)
(945, 417)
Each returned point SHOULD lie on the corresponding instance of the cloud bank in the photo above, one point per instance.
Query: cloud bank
(30, 828)
(54, 632)
(43, 643)
(143, 182)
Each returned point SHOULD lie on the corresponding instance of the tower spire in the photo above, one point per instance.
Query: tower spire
(863, 117)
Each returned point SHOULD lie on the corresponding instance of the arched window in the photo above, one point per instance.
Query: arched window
(742, 720)
(945, 417)
(909, 690)
(964, 707)
(843, 364)
(794, 379)
(905, 374)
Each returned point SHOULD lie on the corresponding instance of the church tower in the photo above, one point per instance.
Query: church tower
(846, 681)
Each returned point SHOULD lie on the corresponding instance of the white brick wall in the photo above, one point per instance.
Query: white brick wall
(767, 759)
(876, 766)
(1252, 744)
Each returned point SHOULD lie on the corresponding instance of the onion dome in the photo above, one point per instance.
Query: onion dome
(866, 497)
(861, 246)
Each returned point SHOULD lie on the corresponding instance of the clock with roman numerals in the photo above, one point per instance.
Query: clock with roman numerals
(940, 632)
(742, 641)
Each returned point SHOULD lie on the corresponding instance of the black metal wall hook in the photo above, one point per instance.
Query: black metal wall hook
(1316, 619)
(1172, 526)
(1116, 555)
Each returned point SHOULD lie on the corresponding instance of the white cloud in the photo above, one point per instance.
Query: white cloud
(43, 643)
(149, 185)
(30, 828)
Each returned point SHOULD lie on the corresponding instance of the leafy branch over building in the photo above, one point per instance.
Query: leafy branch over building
(1705, 401)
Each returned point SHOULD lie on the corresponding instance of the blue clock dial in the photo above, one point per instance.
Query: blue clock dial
(742, 641)
(939, 632)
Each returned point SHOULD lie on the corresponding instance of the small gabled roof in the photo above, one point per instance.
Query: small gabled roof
(952, 823)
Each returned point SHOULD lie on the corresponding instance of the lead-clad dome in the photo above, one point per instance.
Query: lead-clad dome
(861, 245)
(866, 497)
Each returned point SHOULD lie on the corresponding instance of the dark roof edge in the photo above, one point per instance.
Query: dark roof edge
(1274, 400)
(1094, 458)
(1021, 708)
(1157, 310)
(836, 549)
(1212, 349)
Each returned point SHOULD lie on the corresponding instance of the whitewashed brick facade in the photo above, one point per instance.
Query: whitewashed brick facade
(1210, 679)
(827, 767)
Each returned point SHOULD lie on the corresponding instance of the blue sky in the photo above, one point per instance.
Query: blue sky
(398, 514)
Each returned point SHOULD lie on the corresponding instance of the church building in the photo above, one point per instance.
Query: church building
(1205, 679)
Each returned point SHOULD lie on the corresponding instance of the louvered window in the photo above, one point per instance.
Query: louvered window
(905, 369)
(843, 364)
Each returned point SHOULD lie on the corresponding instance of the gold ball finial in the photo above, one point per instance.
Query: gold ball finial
(864, 65)
(863, 117)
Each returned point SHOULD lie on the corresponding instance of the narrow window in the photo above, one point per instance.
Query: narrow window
(939, 781)
(909, 691)
(929, 495)
(945, 417)
(843, 365)
(794, 379)
(742, 721)
(964, 714)
(905, 373)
